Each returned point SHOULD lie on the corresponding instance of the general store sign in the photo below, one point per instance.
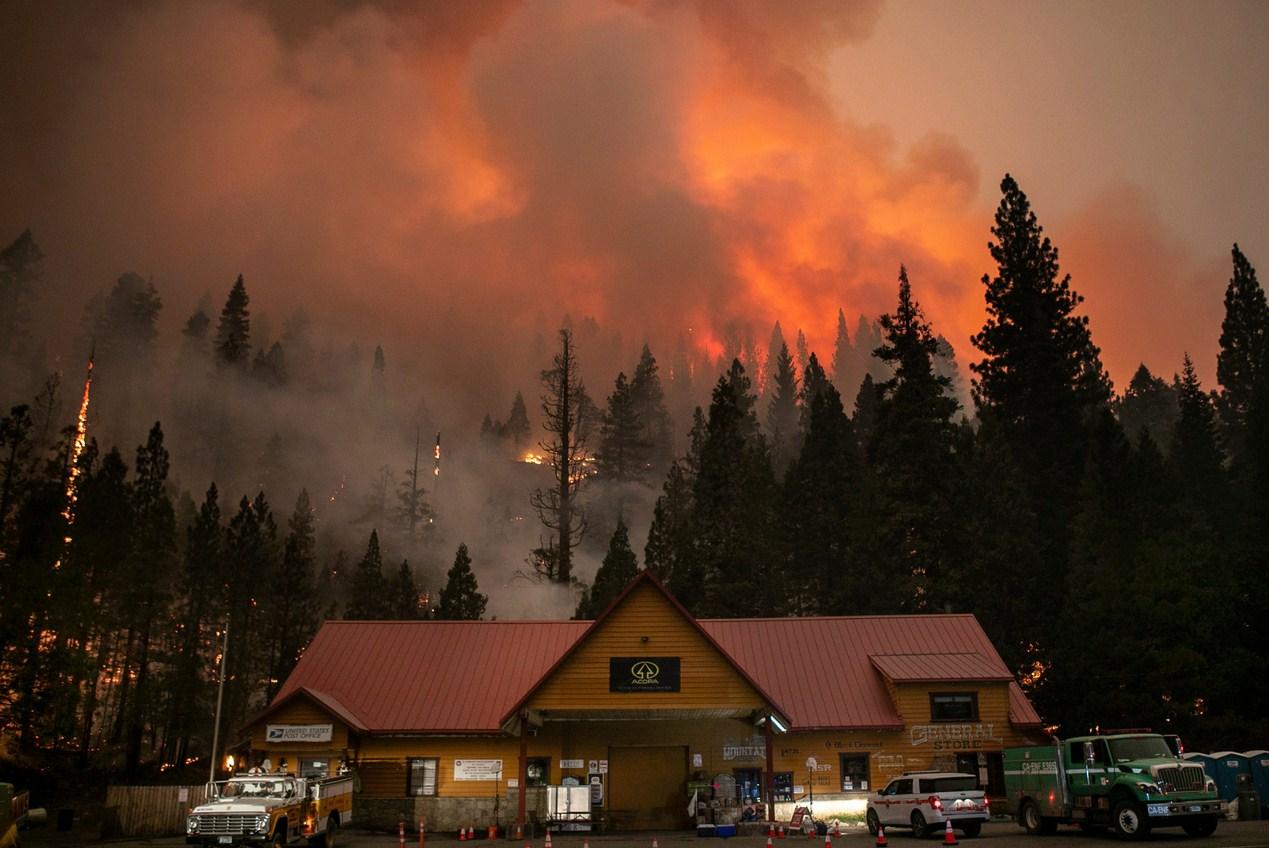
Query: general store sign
(643, 674)
(297, 733)
(477, 769)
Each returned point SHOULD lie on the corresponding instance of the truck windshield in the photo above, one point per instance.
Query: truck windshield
(1139, 748)
(950, 784)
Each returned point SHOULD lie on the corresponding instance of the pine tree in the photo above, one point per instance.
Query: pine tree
(1244, 353)
(152, 572)
(564, 418)
(1196, 457)
(1038, 386)
(782, 412)
(814, 381)
(250, 561)
(622, 456)
(460, 599)
(843, 372)
(615, 573)
(649, 401)
(668, 542)
(912, 457)
(517, 428)
(368, 595)
(1149, 404)
(733, 507)
(404, 595)
(413, 513)
(818, 494)
(233, 334)
(200, 612)
(293, 610)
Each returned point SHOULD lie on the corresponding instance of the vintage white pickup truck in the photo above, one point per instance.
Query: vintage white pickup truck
(269, 809)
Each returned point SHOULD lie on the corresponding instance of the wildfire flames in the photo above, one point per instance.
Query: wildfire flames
(76, 451)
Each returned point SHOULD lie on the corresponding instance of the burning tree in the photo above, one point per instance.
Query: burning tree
(564, 450)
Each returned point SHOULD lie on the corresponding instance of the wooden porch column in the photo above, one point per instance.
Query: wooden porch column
(769, 777)
(523, 770)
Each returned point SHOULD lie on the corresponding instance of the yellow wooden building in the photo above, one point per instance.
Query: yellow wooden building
(666, 720)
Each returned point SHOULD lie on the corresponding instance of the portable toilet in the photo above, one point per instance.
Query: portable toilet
(1259, 762)
(1229, 764)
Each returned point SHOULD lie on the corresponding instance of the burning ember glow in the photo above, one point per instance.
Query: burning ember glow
(76, 451)
(533, 458)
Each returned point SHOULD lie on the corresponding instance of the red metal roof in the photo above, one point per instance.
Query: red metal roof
(430, 676)
(465, 676)
(929, 668)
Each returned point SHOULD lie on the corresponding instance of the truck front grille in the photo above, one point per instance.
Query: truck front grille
(226, 825)
(1181, 778)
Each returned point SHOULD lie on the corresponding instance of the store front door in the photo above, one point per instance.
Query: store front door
(647, 788)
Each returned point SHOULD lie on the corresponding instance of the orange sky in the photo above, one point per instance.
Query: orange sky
(445, 174)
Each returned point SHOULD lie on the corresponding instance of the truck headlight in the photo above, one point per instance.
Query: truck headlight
(191, 824)
(262, 824)
(1149, 788)
(1210, 786)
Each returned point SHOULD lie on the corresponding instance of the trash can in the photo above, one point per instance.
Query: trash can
(65, 819)
(1248, 803)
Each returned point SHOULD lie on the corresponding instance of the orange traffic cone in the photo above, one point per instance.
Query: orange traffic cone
(585, 843)
(770, 829)
(548, 839)
(654, 842)
(780, 832)
(462, 834)
(881, 836)
(837, 829)
(828, 840)
(949, 838)
(810, 834)
(768, 842)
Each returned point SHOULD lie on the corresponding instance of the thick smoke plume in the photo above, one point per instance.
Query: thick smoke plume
(450, 179)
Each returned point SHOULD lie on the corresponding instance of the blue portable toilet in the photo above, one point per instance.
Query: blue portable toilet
(1229, 764)
(1259, 762)
(1209, 766)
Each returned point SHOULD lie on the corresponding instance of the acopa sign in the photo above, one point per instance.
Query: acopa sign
(643, 674)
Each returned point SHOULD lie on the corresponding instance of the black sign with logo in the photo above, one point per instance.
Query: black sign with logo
(643, 674)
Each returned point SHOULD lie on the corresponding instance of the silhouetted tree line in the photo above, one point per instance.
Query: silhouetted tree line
(1113, 547)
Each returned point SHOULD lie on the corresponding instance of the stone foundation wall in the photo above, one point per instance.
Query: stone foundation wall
(446, 815)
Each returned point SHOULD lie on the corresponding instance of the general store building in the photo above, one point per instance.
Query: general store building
(469, 723)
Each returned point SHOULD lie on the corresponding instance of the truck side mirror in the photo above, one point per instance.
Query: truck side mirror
(1090, 753)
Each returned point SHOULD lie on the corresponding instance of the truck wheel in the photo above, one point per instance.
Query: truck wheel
(279, 837)
(1200, 827)
(332, 830)
(972, 829)
(1129, 821)
(919, 828)
(1030, 819)
(872, 821)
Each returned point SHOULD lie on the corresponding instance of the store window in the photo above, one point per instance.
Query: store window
(420, 776)
(537, 771)
(748, 786)
(854, 772)
(953, 706)
(782, 785)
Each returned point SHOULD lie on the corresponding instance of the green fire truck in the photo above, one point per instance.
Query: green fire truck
(1130, 782)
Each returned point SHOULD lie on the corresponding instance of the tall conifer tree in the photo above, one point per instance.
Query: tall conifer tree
(461, 599)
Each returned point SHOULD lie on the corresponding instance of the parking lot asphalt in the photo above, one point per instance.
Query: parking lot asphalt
(1240, 834)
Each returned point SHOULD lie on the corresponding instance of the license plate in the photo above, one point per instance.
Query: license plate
(225, 840)
(1157, 810)
(1195, 808)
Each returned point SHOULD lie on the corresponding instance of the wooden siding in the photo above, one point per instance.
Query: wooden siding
(300, 710)
(707, 679)
(150, 810)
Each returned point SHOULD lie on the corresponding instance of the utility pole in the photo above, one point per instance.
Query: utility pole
(220, 699)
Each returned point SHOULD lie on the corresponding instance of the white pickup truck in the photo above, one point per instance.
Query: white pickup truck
(268, 809)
